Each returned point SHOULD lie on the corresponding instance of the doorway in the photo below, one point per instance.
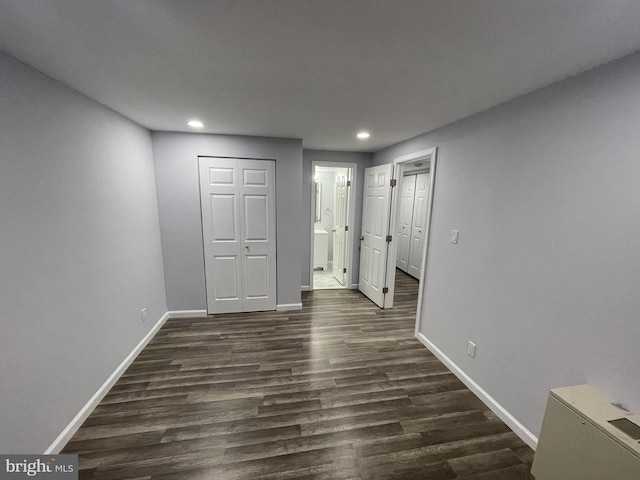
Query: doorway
(383, 219)
(419, 169)
(332, 211)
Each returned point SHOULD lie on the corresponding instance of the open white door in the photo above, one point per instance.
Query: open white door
(239, 233)
(339, 230)
(376, 209)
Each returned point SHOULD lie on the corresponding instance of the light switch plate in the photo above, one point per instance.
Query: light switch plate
(454, 236)
(471, 349)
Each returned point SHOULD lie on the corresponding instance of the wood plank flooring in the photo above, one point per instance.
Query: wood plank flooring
(338, 390)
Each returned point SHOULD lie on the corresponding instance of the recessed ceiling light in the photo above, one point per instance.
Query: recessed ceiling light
(363, 135)
(195, 123)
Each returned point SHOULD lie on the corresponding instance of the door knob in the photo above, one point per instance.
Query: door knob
(362, 238)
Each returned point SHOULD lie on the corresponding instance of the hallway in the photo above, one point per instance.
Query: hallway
(338, 390)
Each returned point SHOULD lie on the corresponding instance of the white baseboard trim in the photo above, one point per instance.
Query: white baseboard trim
(283, 307)
(305, 288)
(354, 286)
(187, 313)
(73, 426)
(517, 427)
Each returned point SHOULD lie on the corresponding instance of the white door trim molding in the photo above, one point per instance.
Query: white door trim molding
(284, 307)
(187, 313)
(427, 153)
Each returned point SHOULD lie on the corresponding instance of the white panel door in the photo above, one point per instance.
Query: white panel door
(221, 234)
(258, 234)
(418, 228)
(405, 213)
(238, 228)
(375, 225)
(339, 230)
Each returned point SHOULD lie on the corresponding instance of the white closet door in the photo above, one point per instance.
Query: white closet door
(221, 234)
(258, 234)
(238, 227)
(418, 228)
(405, 212)
(375, 225)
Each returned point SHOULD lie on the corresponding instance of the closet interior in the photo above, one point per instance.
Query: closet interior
(412, 218)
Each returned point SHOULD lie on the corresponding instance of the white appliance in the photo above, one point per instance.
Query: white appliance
(579, 442)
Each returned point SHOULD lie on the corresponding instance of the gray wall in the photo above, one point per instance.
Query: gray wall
(363, 160)
(80, 247)
(176, 159)
(545, 278)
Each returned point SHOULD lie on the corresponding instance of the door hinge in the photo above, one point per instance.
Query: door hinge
(389, 238)
(348, 183)
(344, 270)
(393, 182)
(346, 228)
(385, 290)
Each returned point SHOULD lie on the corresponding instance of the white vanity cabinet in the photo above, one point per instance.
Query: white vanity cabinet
(320, 248)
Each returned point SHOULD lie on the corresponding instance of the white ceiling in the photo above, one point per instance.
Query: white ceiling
(319, 70)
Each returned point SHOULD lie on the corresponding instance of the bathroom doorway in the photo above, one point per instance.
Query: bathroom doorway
(332, 213)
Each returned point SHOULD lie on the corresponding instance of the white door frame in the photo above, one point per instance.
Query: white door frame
(398, 167)
(351, 216)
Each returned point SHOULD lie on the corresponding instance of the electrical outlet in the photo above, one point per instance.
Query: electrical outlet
(143, 313)
(471, 349)
(454, 236)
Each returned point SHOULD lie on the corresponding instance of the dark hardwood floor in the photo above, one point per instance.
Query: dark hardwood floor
(340, 389)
